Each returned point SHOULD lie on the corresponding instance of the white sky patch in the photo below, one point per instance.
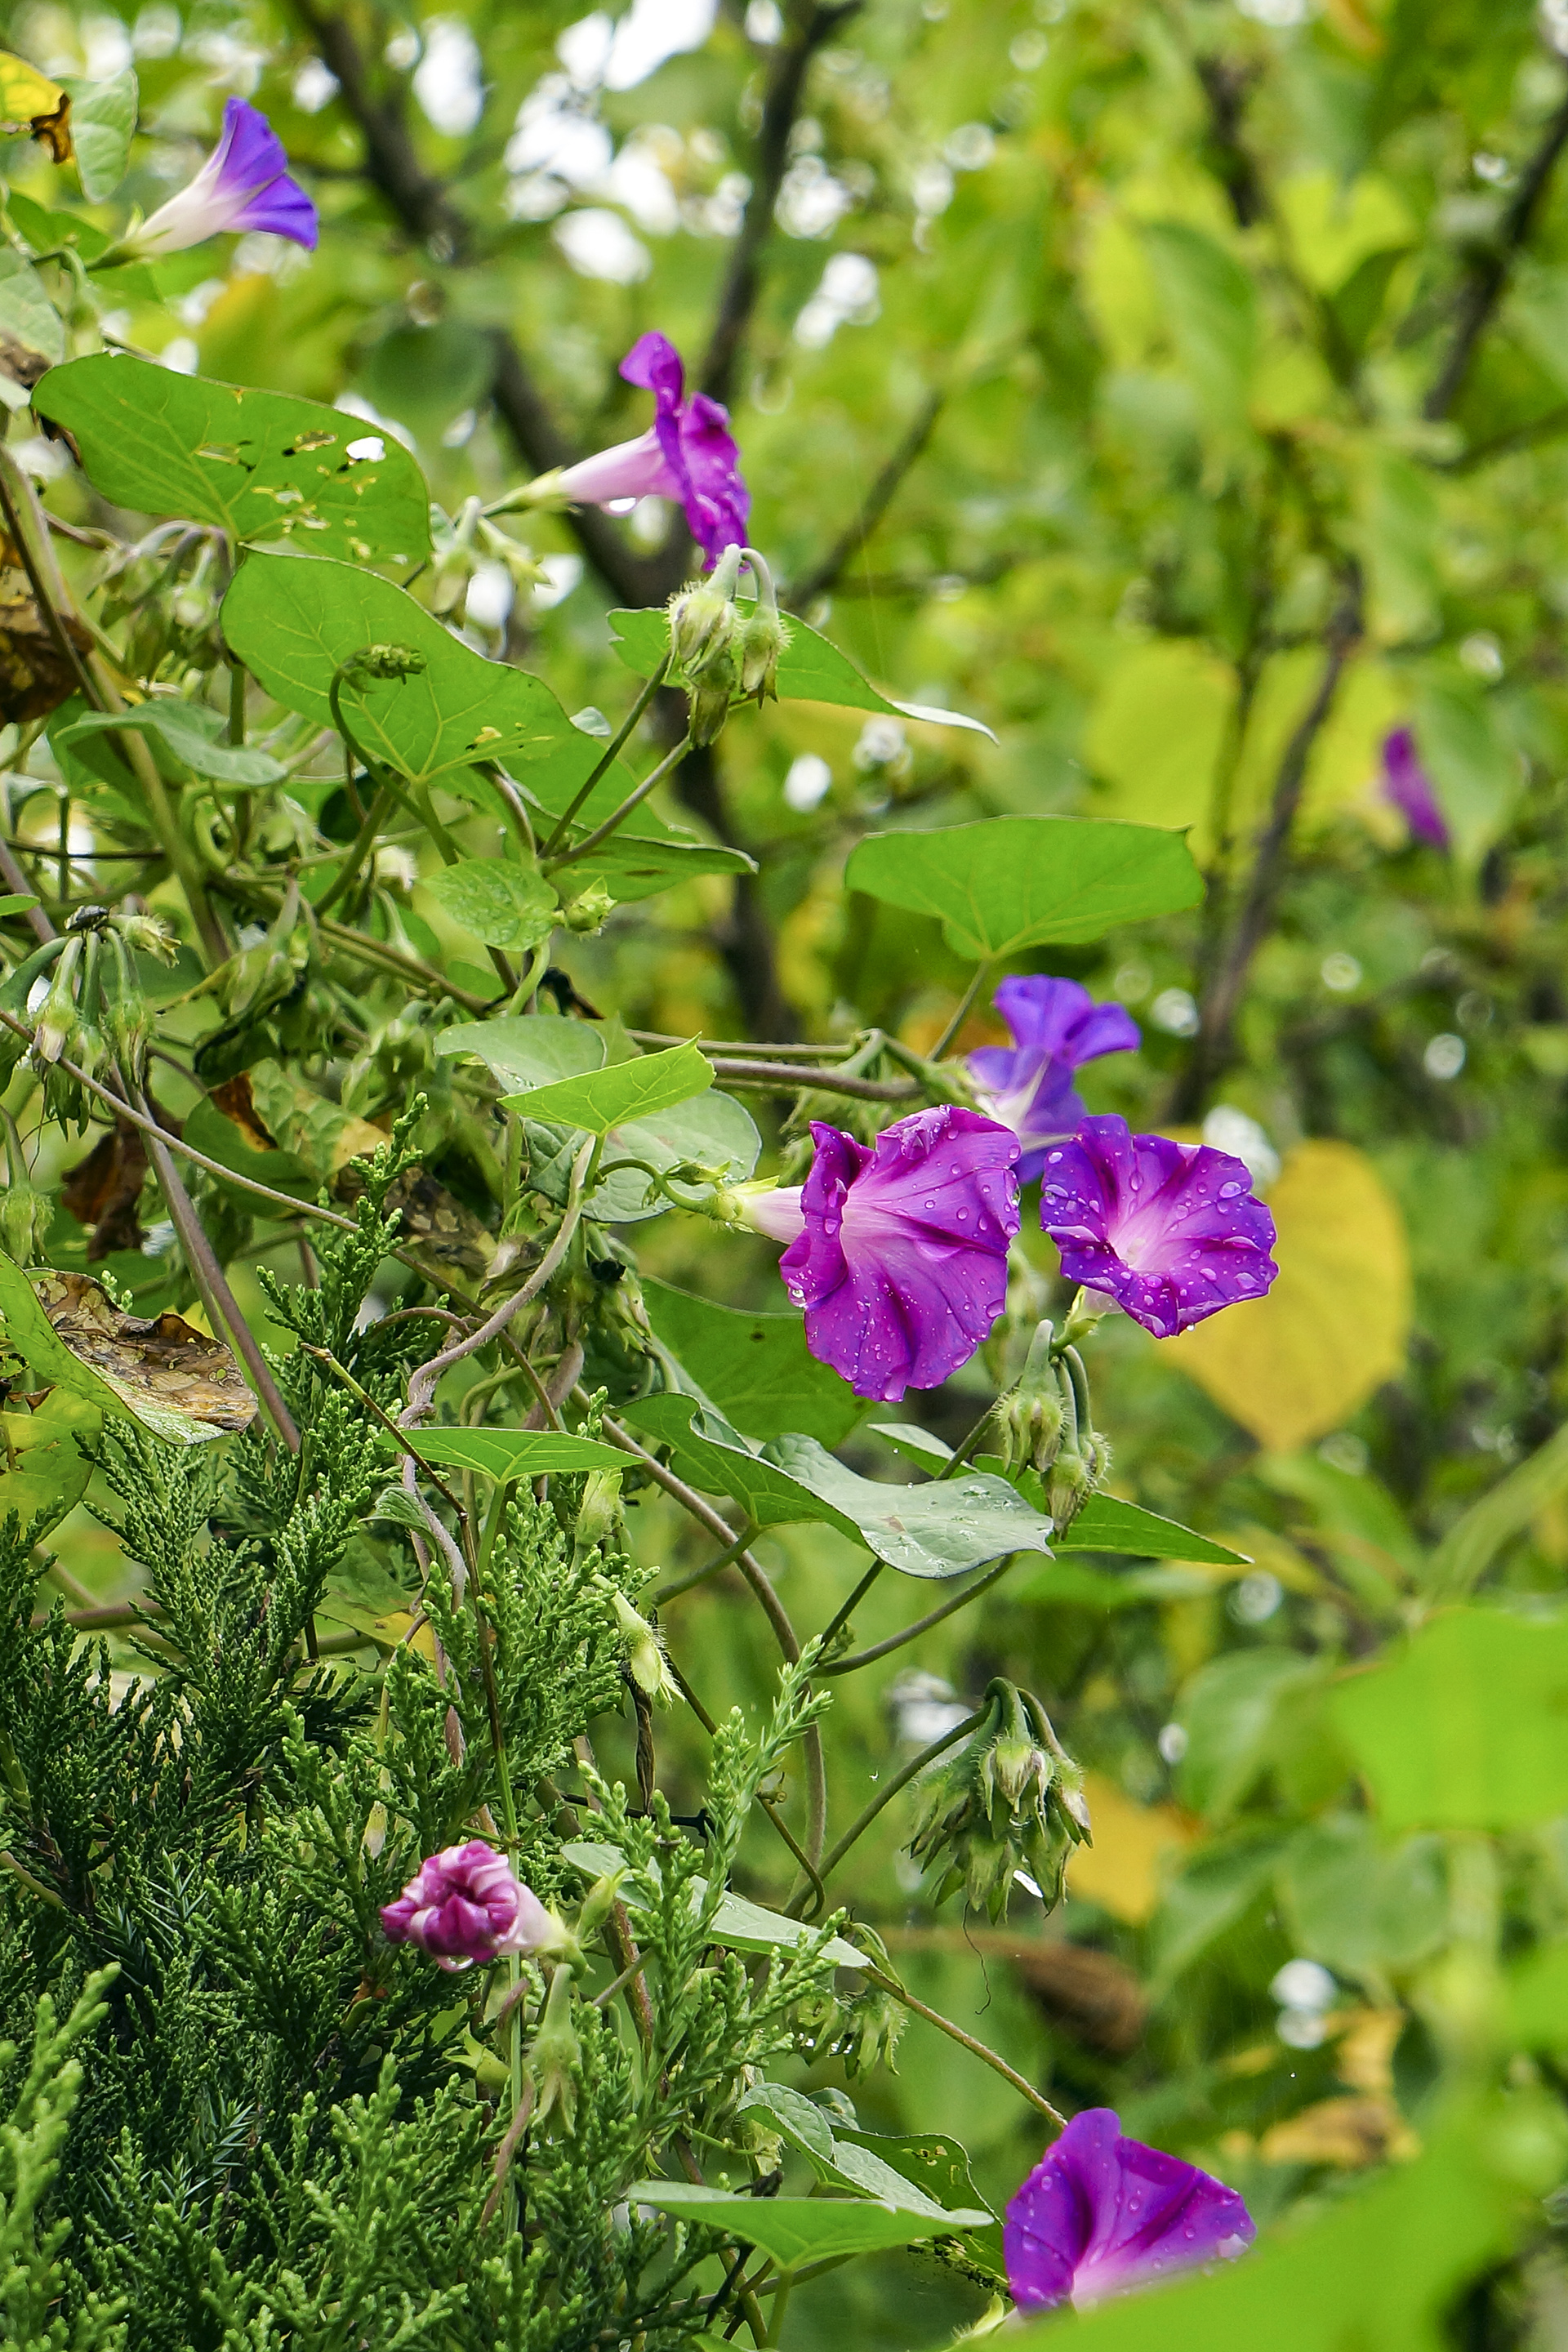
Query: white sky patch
(355, 404)
(808, 782)
(492, 591)
(598, 244)
(449, 80)
(315, 86)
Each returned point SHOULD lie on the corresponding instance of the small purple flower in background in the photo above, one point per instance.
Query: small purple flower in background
(1102, 2214)
(1411, 789)
(1172, 1232)
(1057, 1028)
(687, 453)
(243, 185)
(899, 1252)
(464, 1904)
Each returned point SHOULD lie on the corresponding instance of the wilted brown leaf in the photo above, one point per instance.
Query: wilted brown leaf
(103, 1190)
(436, 1219)
(1090, 1994)
(35, 676)
(158, 1367)
(234, 1100)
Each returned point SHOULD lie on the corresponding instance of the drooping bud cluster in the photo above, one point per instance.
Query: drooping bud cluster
(1009, 1799)
(25, 1215)
(91, 1012)
(1045, 1423)
(720, 654)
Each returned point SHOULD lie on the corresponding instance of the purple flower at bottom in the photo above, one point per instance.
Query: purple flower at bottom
(899, 1252)
(466, 1905)
(1173, 1232)
(1057, 1028)
(1411, 789)
(687, 453)
(243, 185)
(1102, 2214)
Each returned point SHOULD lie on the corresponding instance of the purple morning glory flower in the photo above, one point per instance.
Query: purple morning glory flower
(687, 453)
(1057, 1028)
(899, 1252)
(1173, 1232)
(464, 1904)
(1101, 2214)
(1406, 783)
(243, 185)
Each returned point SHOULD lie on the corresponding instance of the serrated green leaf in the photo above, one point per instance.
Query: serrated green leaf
(294, 624)
(755, 1367)
(102, 125)
(795, 2230)
(1013, 882)
(516, 1453)
(810, 669)
(259, 464)
(503, 904)
(614, 1097)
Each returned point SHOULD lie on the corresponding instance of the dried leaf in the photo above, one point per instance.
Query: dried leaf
(35, 676)
(1090, 1994)
(177, 1383)
(27, 96)
(102, 1192)
(448, 1232)
(234, 1100)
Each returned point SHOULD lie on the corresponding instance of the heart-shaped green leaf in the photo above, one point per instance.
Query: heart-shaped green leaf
(294, 624)
(259, 464)
(190, 732)
(603, 1099)
(1013, 882)
(810, 669)
(527, 1049)
(102, 125)
(515, 1453)
(503, 904)
(755, 1367)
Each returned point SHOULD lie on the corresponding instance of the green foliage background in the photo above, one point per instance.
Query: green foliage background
(1180, 391)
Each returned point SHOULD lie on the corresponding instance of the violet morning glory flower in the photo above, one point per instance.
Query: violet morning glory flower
(1057, 1028)
(466, 1905)
(687, 453)
(243, 185)
(899, 1251)
(1102, 2214)
(1406, 783)
(1173, 1232)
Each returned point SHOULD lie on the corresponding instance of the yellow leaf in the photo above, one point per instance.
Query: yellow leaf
(1158, 730)
(1336, 1325)
(1121, 1871)
(27, 96)
(1348, 2133)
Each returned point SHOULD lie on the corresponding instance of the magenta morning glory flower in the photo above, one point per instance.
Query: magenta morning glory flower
(1173, 1232)
(243, 185)
(1101, 2214)
(899, 1252)
(1057, 1028)
(687, 453)
(464, 1904)
(1406, 783)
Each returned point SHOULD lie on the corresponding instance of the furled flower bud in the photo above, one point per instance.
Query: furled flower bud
(589, 909)
(647, 1668)
(763, 635)
(57, 1023)
(1008, 1798)
(1031, 1417)
(555, 2059)
(466, 1905)
(25, 1215)
(710, 708)
(599, 1512)
(1070, 1489)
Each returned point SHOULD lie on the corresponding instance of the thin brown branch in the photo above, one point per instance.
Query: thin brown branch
(853, 540)
(785, 1077)
(1214, 1045)
(808, 26)
(1491, 270)
(37, 922)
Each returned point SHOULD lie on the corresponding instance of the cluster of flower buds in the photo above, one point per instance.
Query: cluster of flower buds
(83, 997)
(718, 652)
(1046, 1424)
(1008, 1798)
(465, 543)
(861, 2029)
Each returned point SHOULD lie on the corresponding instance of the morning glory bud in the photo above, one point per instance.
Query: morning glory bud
(1008, 1798)
(589, 910)
(57, 1023)
(702, 618)
(555, 2059)
(710, 708)
(647, 1669)
(25, 1215)
(1030, 1419)
(763, 635)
